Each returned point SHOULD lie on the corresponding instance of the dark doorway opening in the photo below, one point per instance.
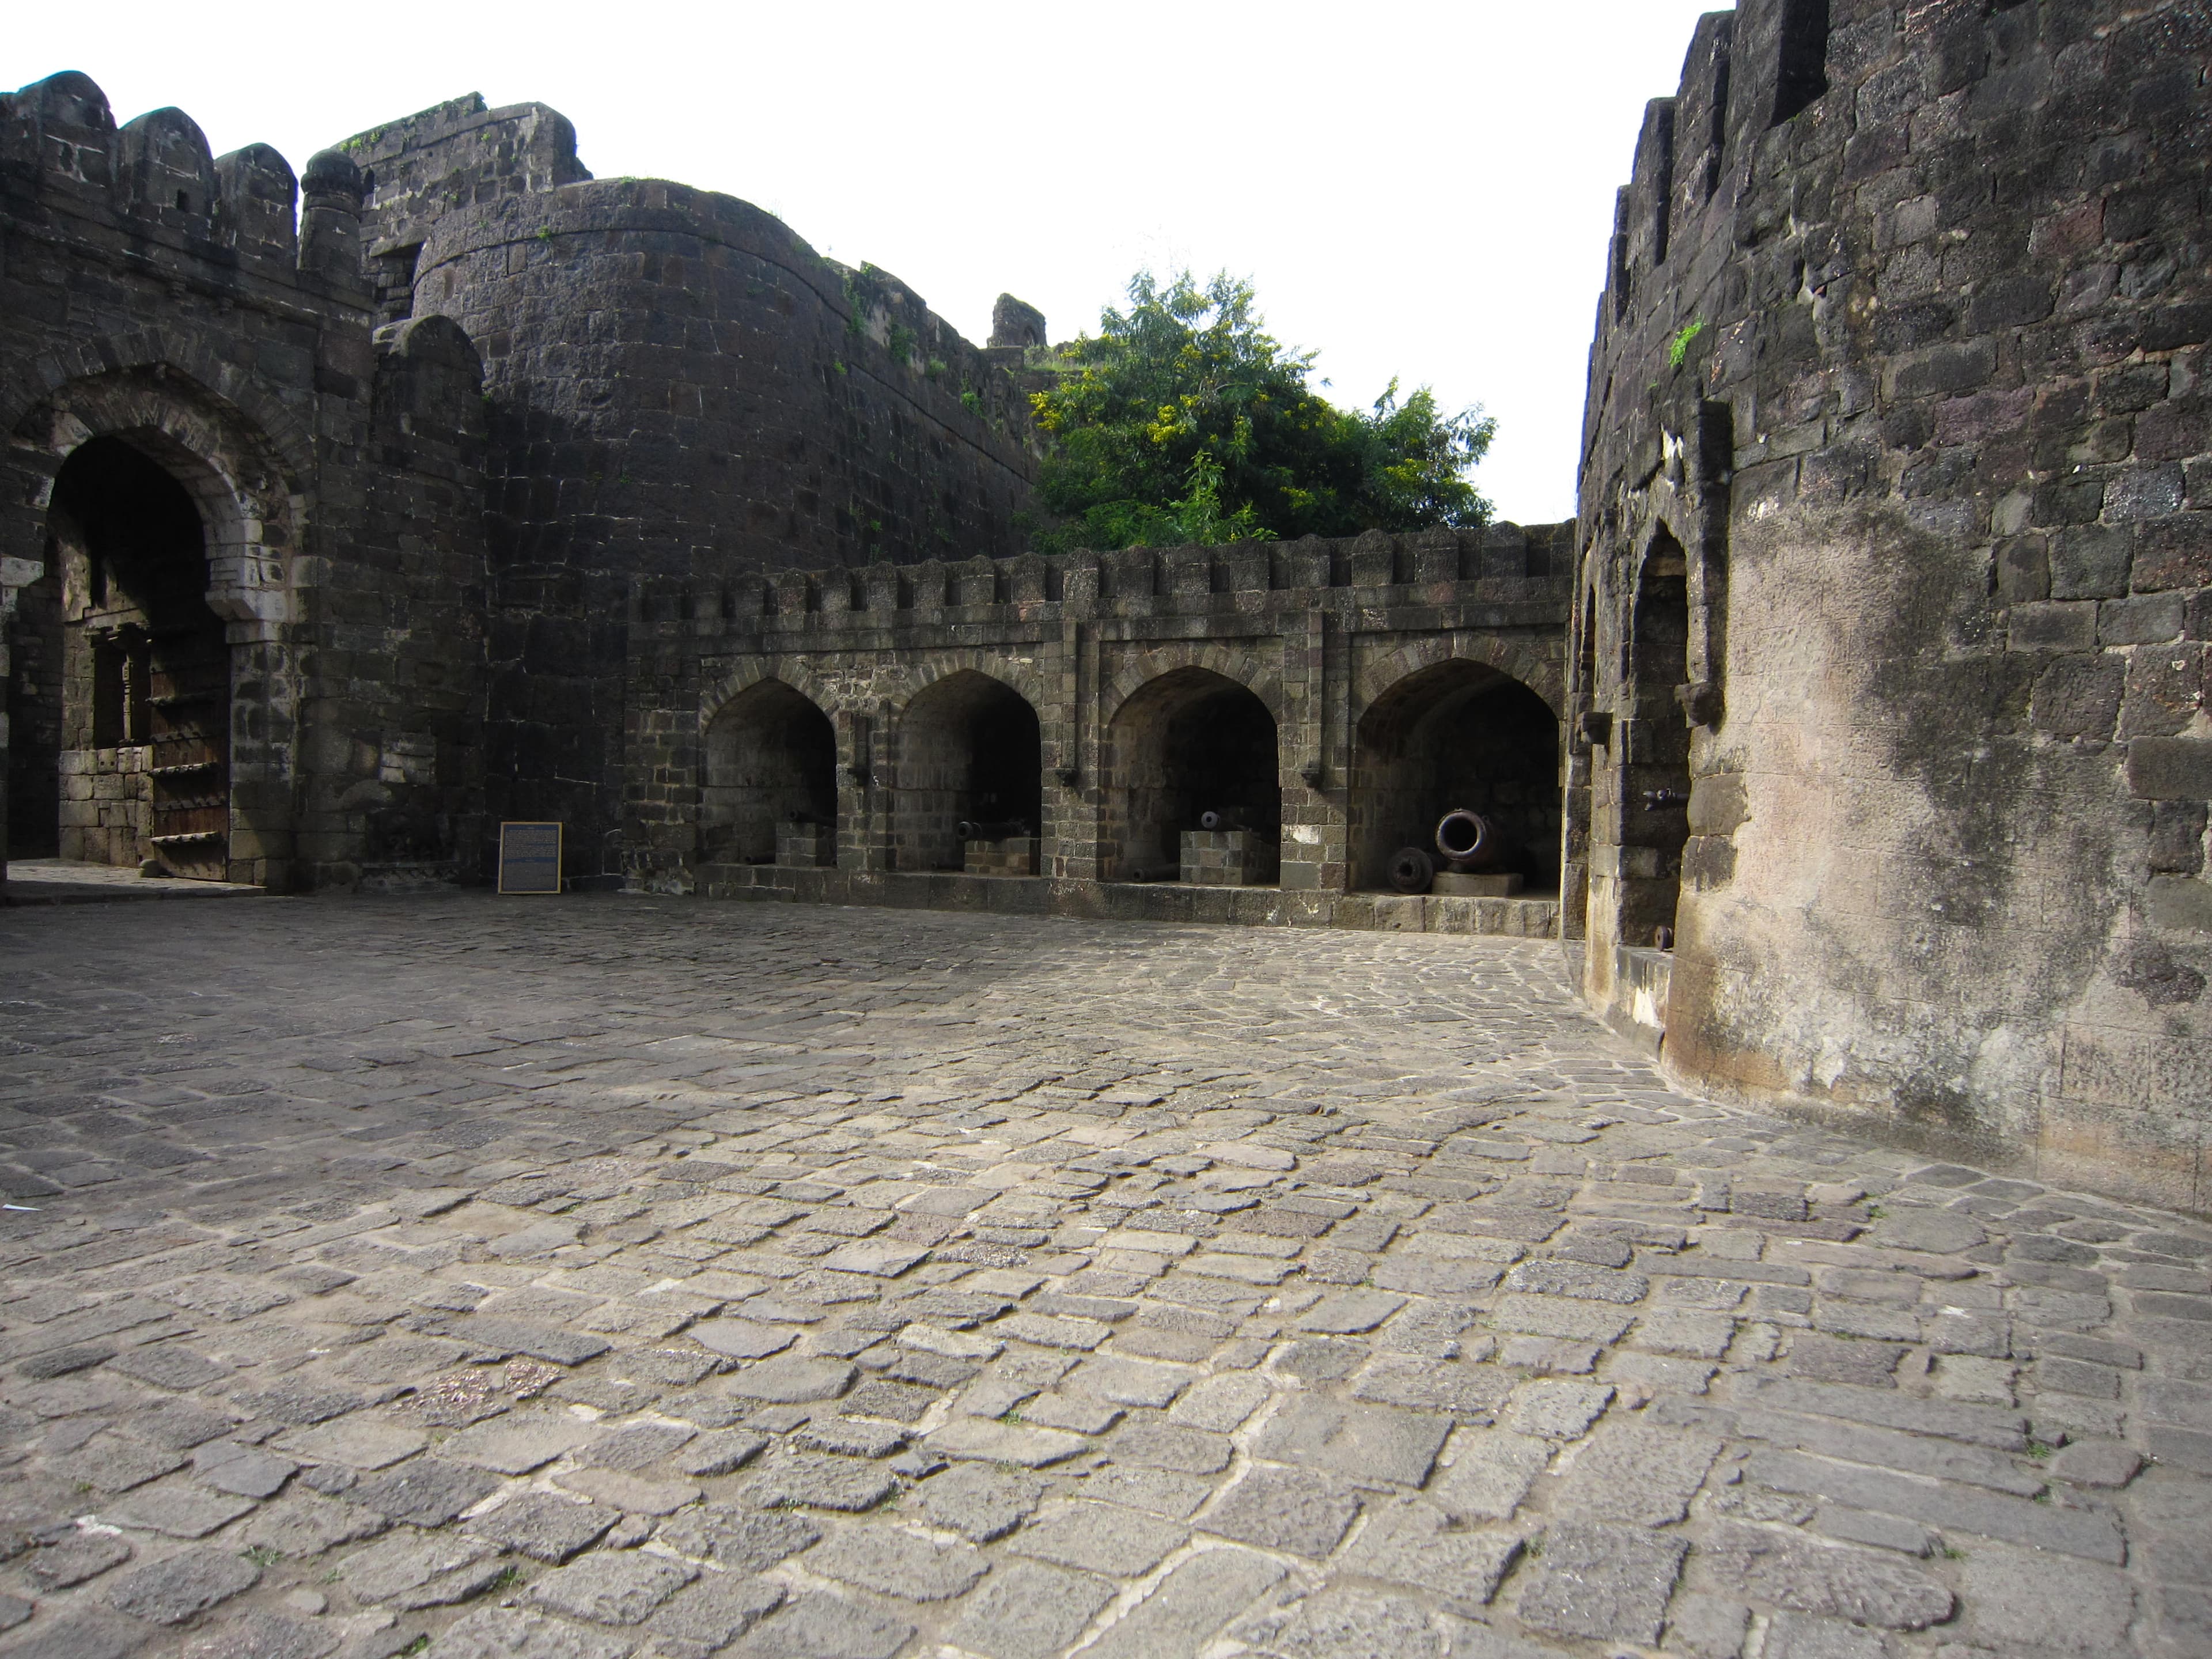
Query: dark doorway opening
(771, 760)
(1654, 806)
(1459, 734)
(970, 751)
(145, 758)
(1190, 742)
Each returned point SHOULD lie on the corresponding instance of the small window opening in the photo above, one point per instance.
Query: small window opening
(183, 202)
(1803, 61)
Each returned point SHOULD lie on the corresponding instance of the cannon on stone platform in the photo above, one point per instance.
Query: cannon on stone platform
(990, 829)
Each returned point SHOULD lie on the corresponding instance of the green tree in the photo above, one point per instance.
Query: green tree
(1181, 420)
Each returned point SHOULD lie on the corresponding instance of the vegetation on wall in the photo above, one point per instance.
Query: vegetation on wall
(1181, 420)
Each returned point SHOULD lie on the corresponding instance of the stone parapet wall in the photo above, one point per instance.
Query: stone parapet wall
(1896, 524)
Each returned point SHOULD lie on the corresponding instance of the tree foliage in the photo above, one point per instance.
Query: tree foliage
(1181, 420)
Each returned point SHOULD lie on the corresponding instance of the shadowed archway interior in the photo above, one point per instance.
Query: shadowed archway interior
(771, 759)
(971, 748)
(1458, 734)
(1191, 741)
(145, 686)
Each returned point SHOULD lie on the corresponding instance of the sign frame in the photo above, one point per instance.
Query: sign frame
(534, 858)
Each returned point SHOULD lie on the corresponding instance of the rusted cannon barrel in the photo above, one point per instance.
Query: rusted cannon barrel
(1412, 870)
(1226, 818)
(990, 829)
(1466, 839)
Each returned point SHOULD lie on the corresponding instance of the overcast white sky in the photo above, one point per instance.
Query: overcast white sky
(1418, 190)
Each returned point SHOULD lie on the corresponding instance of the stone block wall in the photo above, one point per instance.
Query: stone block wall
(680, 386)
(213, 315)
(1892, 615)
(1115, 654)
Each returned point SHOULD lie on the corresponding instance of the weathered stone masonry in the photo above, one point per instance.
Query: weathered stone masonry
(319, 697)
(1896, 538)
(1339, 658)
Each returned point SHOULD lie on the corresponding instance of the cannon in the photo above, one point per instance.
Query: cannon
(1227, 818)
(1467, 840)
(1412, 870)
(990, 829)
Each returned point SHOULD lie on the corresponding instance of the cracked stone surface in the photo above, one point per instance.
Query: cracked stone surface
(630, 1279)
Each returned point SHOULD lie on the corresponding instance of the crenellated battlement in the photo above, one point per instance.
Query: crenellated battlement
(1513, 573)
(155, 181)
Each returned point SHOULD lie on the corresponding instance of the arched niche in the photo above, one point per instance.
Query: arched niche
(1652, 757)
(1187, 742)
(970, 748)
(1457, 734)
(771, 758)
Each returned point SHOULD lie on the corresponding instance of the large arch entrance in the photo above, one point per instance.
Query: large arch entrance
(771, 760)
(144, 681)
(1655, 775)
(1457, 734)
(1187, 743)
(970, 751)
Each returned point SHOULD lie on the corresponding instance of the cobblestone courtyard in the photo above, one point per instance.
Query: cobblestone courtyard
(603, 1277)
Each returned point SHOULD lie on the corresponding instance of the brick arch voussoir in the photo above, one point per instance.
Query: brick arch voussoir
(1547, 678)
(1230, 662)
(790, 671)
(182, 363)
(934, 667)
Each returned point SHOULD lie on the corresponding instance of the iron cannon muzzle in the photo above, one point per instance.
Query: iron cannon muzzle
(1658, 800)
(1412, 870)
(1465, 840)
(1226, 818)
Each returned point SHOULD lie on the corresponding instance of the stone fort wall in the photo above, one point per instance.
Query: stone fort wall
(209, 315)
(680, 386)
(1896, 522)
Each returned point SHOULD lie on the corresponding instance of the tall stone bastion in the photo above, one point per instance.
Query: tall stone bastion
(1887, 694)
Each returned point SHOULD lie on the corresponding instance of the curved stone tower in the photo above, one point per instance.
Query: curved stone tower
(680, 388)
(1891, 618)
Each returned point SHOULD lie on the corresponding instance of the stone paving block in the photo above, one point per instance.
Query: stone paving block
(182, 1587)
(1288, 1510)
(849, 1484)
(1429, 1275)
(741, 1338)
(303, 1525)
(1220, 1404)
(635, 1446)
(1678, 1331)
(2015, 1603)
(1409, 1543)
(1169, 1446)
(1553, 1408)
(1029, 1611)
(1196, 1599)
(1160, 1491)
(1559, 1316)
(1130, 1381)
(178, 1507)
(562, 1347)
(740, 1539)
(792, 1379)
(715, 1610)
(979, 1503)
(1707, 1627)
(817, 1624)
(1578, 1278)
(892, 1560)
(1075, 1412)
(74, 1558)
(412, 1569)
(1804, 1636)
(1602, 1583)
(1350, 1312)
(2085, 1532)
(1005, 1443)
(514, 1632)
(242, 1471)
(357, 1442)
(1339, 1623)
(610, 1587)
(115, 1462)
(1107, 1538)
(544, 1527)
(1835, 1582)
(1470, 1394)
(1364, 1443)
(428, 1491)
(1638, 1475)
